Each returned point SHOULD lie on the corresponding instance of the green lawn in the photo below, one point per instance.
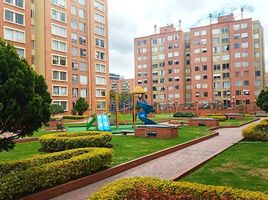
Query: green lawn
(125, 148)
(244, 166)
(236, 122)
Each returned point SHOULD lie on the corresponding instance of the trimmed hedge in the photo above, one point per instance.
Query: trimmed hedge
(20, 178)
(141, 189)
(220, 117)
(74, 116)
(63, 141)
(184, 114)
(256, 132)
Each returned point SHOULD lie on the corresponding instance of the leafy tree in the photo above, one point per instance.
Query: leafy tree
(56, 109)
(262, 100)
(81, 106)
(24, 100)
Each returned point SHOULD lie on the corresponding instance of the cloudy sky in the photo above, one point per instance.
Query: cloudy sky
(135, 18)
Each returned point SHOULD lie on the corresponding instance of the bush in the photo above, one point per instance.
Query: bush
(264, 121)
(74, 116)
(141, 187)
(184, 114)
(221, 118)
(256, 132)
(63, 141)
(19, 178)
(56, 109)
(74, 112)
(81, 106)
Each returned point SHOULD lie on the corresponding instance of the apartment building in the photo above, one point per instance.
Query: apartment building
(219, 64)
(67, 42)
(121, 85)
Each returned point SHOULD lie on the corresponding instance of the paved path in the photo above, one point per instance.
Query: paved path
(170, 166)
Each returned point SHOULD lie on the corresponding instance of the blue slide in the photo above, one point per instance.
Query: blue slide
(143, 114)
(103, 123)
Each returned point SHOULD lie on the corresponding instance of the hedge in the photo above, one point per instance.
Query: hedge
(20, 178)
(142, 188)
(63, 141)
(217, 116)
(74, 116)
(256, 132)
(184, 114)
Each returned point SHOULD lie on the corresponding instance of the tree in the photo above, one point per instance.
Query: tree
(56, 109)
(24, 100)
(81, 106)
(262, 100)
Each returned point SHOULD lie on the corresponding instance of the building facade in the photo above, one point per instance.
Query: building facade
(121, 85)
(67, 42)
(220, 64)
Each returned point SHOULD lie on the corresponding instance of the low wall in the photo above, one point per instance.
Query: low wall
(157, 132)
(204, 122)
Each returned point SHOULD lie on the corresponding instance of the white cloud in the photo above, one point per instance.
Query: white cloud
(129, 19)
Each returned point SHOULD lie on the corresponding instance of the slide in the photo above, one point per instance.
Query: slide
(103, 122)
(143, 114)
(91, 123)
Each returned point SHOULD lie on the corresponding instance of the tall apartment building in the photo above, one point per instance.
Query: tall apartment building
(67, 42)
(221, 63)
(122, 85)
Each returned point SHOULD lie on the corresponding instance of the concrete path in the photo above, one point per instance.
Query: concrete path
(170, 166)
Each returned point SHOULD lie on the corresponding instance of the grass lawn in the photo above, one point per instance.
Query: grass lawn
(244, 166)
(126, 148)
(236, 122)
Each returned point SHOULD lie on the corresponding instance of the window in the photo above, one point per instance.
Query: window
(244, 26)
(256, 36)
(203, 41)
(101, 105)
(100, 92)
(61, 3)
(75, 65)
(236, 45)
(57, 15)
(100, 80)
(59, 90)
(59, 75)
(245, 64)
(225, 66)
(100, 55)
(246, 83)
(244, 54)
(73, 10)
(59, 46)
(74, 51)
(14, 35)
(237, 55)
(74, 37)
(226, 75)
(18, 3)
(83, 80)
(198, 77)
(14, 17)
(236, 27)
(83, 67)
(216, 40)
(244, 35)
(237, 64)
(82, 2)
(63, 104)
(99, 42)
(236, 36)
(75, 92)
(82, 13)
(83, 53)
(99, 18)
(238, 92)
(203, 32)
(205, 67)
(73, 24)
(82, 26)
(98, 5)
(196, 33)
(99, 30)
(20, 52)
(257, 73)
(225, 40)
(58, 30)
(83, 93)
(75, 78)
(224, 30)
(197, 68)
(59, 60)
(226, 57)
(217, 67)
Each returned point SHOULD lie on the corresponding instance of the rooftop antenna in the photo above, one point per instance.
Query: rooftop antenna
(210, 18)
(179, 24)
(155, 29)
(242, 13)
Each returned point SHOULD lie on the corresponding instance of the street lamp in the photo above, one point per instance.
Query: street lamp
(169, 107)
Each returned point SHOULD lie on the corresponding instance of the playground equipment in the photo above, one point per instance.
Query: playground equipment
(102, 120)
(143, 114)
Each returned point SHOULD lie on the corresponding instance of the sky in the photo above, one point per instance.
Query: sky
(129, 19)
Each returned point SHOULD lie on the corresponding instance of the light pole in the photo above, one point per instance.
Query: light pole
(169, 107)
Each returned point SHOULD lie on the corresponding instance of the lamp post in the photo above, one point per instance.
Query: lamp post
(169, 107)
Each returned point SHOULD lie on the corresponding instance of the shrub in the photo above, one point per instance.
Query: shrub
(74, 116)
(264, 121)
(19, 178)
(184, 114)
(256, 132)
(124, 188)
(56, 109)
(215, 116)
(63, 141)
(81, 106)
(74, 112)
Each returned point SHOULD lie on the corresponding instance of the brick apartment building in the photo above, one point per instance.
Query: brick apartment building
(218, 64)
(64, 40)
(121, 85)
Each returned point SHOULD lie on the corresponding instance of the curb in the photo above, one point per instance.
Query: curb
(75, 184)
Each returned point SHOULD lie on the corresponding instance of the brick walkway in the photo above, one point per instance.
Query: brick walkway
(170, 166)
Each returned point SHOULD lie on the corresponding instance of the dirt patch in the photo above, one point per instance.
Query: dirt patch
(230, 166)
(261, 172)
